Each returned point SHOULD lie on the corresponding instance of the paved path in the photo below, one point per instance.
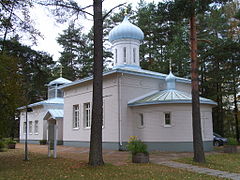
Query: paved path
(212, 172)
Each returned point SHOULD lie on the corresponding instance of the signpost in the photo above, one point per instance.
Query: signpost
(26, 130)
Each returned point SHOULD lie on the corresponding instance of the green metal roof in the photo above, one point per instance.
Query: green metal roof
(168, 96)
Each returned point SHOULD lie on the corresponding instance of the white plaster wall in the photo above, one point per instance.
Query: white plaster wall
(37, 114)
(60, 121)
(129, 44)
(82, 93)
(133, 87)
(181, 129)
(60, 129)
(185, 87)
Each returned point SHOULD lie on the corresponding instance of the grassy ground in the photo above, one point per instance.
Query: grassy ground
(39, 167)
(222, 161)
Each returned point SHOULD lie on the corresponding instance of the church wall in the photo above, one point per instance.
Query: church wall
(181, 128)
(133, 87)
(185, 87)
(118, 50)
(37, 114)
(82, 93)
(180, 131)
(60, 123)
(130, 87)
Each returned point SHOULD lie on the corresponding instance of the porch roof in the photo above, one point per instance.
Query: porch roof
(54, 114)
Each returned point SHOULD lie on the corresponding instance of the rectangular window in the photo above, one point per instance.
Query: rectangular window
(116, 55)
(76, 116)
(141, 120)
(87, 115)
(124, 54)
(30, 127)
(167, 119)
(24, 127)
(36, 127)
(134, 54)
(59, 93)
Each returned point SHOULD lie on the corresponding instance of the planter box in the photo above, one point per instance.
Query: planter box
(230, 149)
(11, 146)
(140, 158)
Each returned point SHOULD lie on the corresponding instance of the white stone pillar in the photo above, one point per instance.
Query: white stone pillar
(55, 140)
(48, 140)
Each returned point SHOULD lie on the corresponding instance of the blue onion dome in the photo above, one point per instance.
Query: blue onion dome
(126, 30)
(171, 81)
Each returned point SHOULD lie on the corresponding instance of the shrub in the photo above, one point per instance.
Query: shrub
(6, 140)
(9, 141)
(2, 146)
(232, 141)
(135, 146)
(43, 142)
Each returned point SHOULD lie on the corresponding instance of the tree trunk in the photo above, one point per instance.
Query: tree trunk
(95, 154)
(196, 120)
(236, 111)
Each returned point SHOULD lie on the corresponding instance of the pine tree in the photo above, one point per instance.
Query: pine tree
(77, 55)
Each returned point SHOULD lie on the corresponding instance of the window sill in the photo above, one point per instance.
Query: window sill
(76, 129)
(167, 126)
(87, 128)
(36, 133)
(141, 127)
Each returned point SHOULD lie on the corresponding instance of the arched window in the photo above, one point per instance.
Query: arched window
(134, 55)
(116, 55)
(124, 54)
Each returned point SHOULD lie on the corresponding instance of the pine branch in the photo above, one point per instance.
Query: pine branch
(112, 10)
(77, 9)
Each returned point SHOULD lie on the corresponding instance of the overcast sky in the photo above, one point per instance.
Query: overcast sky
(46, 24)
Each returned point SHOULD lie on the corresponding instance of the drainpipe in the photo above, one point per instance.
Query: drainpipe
(119, 112)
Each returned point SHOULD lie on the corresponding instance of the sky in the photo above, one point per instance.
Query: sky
(50, 29)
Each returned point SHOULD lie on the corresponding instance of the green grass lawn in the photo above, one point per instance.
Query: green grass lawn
(221, 161)
(39, 167)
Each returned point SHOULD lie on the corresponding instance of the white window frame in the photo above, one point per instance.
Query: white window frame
(30, 127)
(166, 118)
(36, 126)
(140, 121)
(87, 115)
(76, 116)
(24, 127)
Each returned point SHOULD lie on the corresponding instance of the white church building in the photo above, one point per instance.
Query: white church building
(153, 106)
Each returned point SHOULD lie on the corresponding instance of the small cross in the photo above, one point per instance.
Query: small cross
(170, 65)
(126, 13)
(61, 68)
